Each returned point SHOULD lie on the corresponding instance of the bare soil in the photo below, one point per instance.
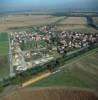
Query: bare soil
(51, 94)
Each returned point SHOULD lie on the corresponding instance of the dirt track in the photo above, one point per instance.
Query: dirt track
(51, 94)
(33, 80)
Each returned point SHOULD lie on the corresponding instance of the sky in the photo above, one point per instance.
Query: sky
(11, 5)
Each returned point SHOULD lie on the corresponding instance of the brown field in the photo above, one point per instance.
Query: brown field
(51, 94)
(76, 24)
(70, 27)
(23, 20)
(77, 28)
(69, 23)
(74, 20)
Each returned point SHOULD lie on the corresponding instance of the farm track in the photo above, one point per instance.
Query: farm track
(35, 79)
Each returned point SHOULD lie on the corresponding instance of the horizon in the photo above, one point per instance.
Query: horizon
(48, 5)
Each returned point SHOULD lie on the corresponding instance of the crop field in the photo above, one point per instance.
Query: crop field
(79, 72)
(77, 28)
(23, 21)
(50, 94)
(11, 21)
(4, 44)
(74, 21)
(78, 24)
(4, 49)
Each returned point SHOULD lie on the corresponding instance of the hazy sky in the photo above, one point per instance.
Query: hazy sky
(47, 4)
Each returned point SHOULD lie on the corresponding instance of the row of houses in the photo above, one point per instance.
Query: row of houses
(67, 39)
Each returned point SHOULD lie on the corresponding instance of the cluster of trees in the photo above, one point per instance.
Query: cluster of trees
(50, 66)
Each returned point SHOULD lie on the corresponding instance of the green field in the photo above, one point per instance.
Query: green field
(4, 49)
(4, 46)
(79, 72)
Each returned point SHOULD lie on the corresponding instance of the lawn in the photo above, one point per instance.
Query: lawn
(79, 72)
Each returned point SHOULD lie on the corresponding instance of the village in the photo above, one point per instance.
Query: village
(32, 48)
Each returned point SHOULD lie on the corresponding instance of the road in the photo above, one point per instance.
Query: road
(10, 57)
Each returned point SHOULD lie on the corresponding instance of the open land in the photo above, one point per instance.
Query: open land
(79, 72)
(24, 21)
(77, 28)
(65, 84)
(74, 21)
(51, 94)
(4, 50)
(78, 24)
(7, 22)
(3, 43)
